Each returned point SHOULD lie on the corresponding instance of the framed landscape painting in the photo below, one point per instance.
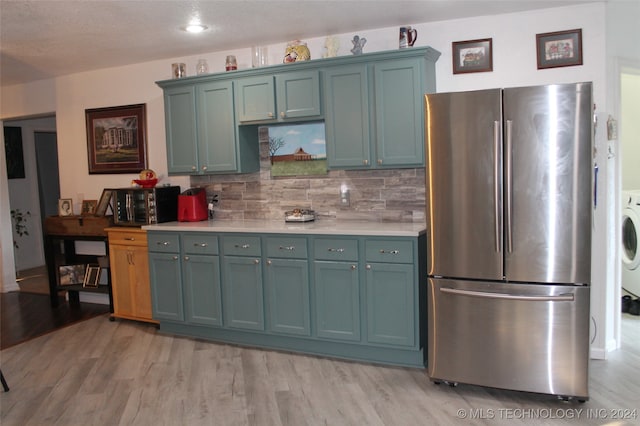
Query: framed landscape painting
(116, 139)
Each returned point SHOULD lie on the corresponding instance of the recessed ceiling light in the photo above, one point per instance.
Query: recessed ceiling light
(195, 28)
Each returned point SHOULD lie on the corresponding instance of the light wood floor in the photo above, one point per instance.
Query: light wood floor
(125, 373)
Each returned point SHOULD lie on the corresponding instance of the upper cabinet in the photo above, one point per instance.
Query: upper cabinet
(279, 97)
(371, 104)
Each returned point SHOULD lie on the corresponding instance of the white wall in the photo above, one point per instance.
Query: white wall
(514, 64)
(630, 131)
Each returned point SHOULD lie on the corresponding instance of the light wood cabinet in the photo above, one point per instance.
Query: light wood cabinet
(129, 261)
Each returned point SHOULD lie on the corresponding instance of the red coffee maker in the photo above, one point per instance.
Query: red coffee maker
(192, 205)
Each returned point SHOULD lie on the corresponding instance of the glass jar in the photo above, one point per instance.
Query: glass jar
(231, 63)
(202, 67)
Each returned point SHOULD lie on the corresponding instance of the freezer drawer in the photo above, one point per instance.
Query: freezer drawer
(524, 337)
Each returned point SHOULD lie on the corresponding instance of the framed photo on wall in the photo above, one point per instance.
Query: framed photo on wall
(472, 56)
(559, 49)
(116, 139)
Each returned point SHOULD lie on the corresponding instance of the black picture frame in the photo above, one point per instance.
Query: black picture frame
(14, 152)
(116, 139)
(472, 56)
(559, 49)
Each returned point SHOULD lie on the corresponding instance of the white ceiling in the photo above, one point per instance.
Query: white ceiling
(46, 38)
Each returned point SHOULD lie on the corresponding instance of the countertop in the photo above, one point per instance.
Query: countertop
(318, 227)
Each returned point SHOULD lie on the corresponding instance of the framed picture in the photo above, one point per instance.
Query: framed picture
(71, 274)
(65, 207)
(89, 207)
(116, 139)
(104, 203)
(91, 276)
(559, 49)
(14, 152)
(472, 56)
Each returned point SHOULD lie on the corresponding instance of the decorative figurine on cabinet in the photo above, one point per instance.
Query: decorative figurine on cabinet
(331, 45)
(358, 44)
(296, 51)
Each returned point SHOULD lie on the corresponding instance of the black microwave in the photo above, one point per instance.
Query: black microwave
(145, 206)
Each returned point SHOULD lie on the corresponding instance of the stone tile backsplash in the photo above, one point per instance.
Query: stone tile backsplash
(390, 195)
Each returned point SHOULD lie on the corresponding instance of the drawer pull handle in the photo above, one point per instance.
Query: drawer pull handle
(337, 250)
(288, 248)
(200, 244)
(163, 243)
(129, 239)
(242, 246)
(382, 251)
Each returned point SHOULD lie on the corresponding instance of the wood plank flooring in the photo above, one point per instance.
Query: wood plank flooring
(98, 372)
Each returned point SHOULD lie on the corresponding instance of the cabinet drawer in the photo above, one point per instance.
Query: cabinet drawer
(336, 249)
(127, 237)
(287, 247)
(241, 246)
(199, 244)
(389, 251)
(163, 242)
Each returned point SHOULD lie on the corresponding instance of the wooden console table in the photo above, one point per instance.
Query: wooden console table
(61, 233)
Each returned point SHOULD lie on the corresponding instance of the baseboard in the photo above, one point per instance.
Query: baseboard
(601, 353)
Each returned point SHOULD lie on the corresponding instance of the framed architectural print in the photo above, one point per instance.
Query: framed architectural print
(472, 56)
(116, 139)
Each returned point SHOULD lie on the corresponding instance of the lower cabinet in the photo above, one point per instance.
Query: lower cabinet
(355, 297)
(129, 262)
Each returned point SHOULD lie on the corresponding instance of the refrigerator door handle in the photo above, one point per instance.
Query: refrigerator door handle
(496, 188)
(509, 189)
(488, 295)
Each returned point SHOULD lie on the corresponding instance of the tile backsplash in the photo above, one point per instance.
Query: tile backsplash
(389, 195)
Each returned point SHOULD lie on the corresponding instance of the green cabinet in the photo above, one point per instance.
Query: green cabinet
(337, 288)
(287, 285)
(283, 96)
(201, 131)
(374, 113)
(242, 282)
(392, 293)
(201, 279)
(165, 274)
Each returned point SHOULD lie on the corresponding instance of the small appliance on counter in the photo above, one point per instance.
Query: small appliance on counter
(192, 205)
(145, 206)
(299, 215)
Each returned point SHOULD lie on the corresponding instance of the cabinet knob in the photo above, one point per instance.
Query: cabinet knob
(194, 168)
(282, 114)
(379, 161)
(204, 168)
(365, 162)
(256, 261)
(270, 115)
(353, 267)
(186, 258)
(368, 266)
(174, 257)
(268, 262)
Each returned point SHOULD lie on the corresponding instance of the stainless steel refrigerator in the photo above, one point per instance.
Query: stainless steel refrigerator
(509, 217)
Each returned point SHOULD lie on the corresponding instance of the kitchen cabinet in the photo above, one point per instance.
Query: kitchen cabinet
(242, 282)
(279, 97)
(337, 288)
(287, 285)
(201, 279)
(165, 272)
(350, 296)
(201, 131)
(129, 263)
(391, 293)
(374, 115)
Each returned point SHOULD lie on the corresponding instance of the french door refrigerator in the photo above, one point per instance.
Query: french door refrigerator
(509, 184)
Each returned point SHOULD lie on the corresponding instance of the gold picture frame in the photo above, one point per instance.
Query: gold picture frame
(91, 277)
(89, 207)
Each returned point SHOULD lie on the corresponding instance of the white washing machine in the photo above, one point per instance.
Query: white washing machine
(630, 239)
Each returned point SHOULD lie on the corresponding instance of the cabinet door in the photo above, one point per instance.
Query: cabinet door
(337, 300)
(391, 303)
(122, 277)
(347, 116)
(399, 113)
(298, 94)
(242, 289)
(181, 130)
(202, 289)
(288, 296)
(166, 288)
(216, 126)
(139, 279)
(255, 99)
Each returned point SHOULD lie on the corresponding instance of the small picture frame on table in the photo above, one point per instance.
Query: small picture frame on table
(91, 277)
(559, 49)
(65, 207)
(89, 207)
(472, 56)
(71, 274)
(104, 203)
